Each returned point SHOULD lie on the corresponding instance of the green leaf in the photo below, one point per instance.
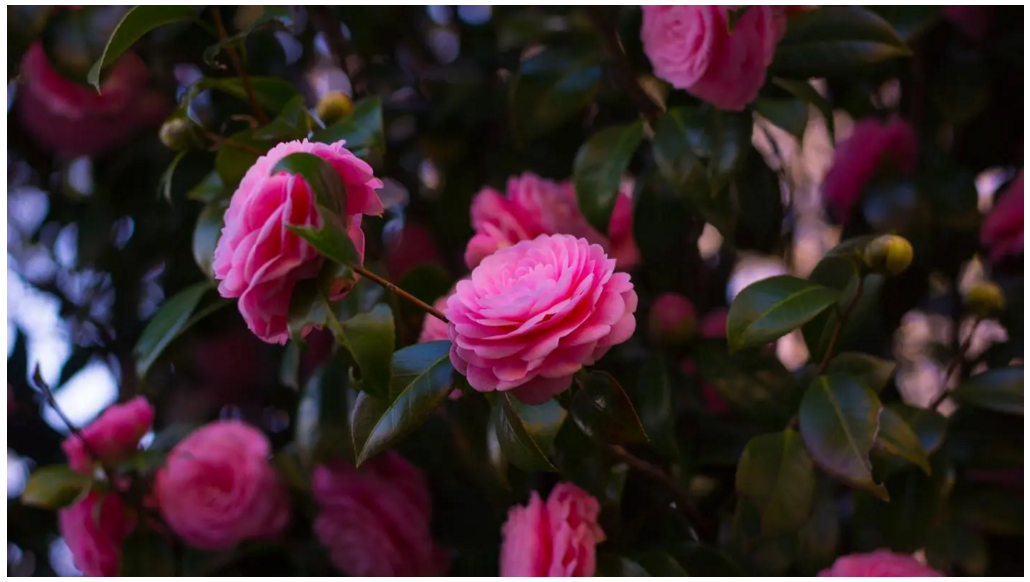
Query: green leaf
(321, 433)
(165, 181)
(362, 129)
(206, 235)
(612, 565)
(872, 371)
(369, 338)
(173, 318)
(550, 88)
(916, 505)
(806, 92)
(332, 241)
(897, 438)
(55, 487)
(603, 411)
(268, 14)
(839, 418)
(421, 380)
(138, 21)
(143, 462)
(771, 308)
(599, 167)
(929, 425)
(734, 15)
(777, 475)
(210, 189)
(147, 553)
(730, 135)
(652, 399)
(526, 433)
(832, 40)
(817, 539)
(238, 154)
(790, 115)
(293, 122)
(660, 564)
(756, 385)
(272, 93)
(320, 176)
(1000, 390)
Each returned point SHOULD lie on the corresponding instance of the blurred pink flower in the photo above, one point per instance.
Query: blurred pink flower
(672, 319)
(623, 245)
(374, 521)
(1002, 230)
(95, 529)
(534, 314)
(712, 326)
(556, 539)
(879, 564)
(972, 21)
(258, 259)
(413, 245)
(114, 435)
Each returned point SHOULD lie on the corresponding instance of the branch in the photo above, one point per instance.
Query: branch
(223, 36)
(621, 67)
(323, 19)
(361, 270)
(954, 365)
(841, 322)
(656, 474)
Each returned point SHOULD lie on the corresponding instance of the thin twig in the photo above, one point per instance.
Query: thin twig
(400, 292)
(954, 365)
(620, 65)
(220, 141)
(683, 502)
(223, 36)
(842, 320)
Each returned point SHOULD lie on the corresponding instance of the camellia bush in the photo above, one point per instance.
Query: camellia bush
(520, 291)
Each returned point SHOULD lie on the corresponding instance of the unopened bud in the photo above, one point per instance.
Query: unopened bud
(180, 134)
(334, 107)
(672, 320)
(890, 254)
(985, 299)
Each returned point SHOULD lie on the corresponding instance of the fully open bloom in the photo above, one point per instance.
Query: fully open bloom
(873, 147)
(533, 314)
(375, 520)
(558, 538)
(70, 118)
(217, 487)
(693, 49)
(258, 259)
(95, 529)
(878, 564)
(434, 329)
(1002, 231)
(114, 435)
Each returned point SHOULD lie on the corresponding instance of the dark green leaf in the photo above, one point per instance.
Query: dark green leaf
(143, 462)
(734, 15)
(652, 399)
(293, 122)
(660, 564)
(869, 370)
(332, 241)
(237, 154)
(421, 381)
(990, 509)
(147, 553)
(138, 21)
(953, 545)
(599, 167)
(790, 115)
(526, 433)
(1000, 390)
(55, 487)
(291, 469)
(817, 539)
(369, 338)
(550, 88)
(165, 182)
(777, 475)
(831, 40)
(498, 462)
(897, 438)
(271, 93)
(773, 307)
(839, 418)
(755, 385)
(731, 141)
(173, 318)
(321, 433)
(928, 425)
(807, 93)
(306, 309)
(206, 235)
(320, 176)
(602, 410)
(362, 129)
(268, 14)
(209, 189)
(612, 565)
(701, 560)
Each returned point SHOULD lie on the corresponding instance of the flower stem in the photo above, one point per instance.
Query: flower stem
(842, 320)
(223, 36)
(954, 365)
(656, 474)
(361, 270)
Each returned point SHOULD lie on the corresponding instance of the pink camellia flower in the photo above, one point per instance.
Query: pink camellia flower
(70, 118)
(692, 48)
(95, 529)
(258, 259)
(533, 314)
(623, 245)
(114, 435)
(672, 319)
(558, 538)
(972, 21)
(375, 520)
(874, 146)
(1002, 231)
(413, 245)
(433, 328)
(878, 564)
(217, 487)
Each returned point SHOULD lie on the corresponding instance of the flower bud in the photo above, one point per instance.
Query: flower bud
(334, 107)
(985, 299)
(180, 134)
(672, 320)
(890, 254)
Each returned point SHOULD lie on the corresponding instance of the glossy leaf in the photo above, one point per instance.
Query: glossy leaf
(773, 307)
(872, 371)
(332, 241)
(270, 92)
(652, 399)
(323, 179)
(603, 411)
(755, 385)
(550, 88)
(210, 189)
(268, 14)
(173, 318)
(806, 92)
(369, 338)
(526, 433)
(362, 129)
(321, 433)
(897, 438)
(293, 122)
(930, 426)
(206, 235)
(55, 487)
(1000, 390)
(421, 381)
(147, 553)
(165, 182)
(832, 40)
(138, 21)
(790, 115)
(660, 564)
(777, 475)
(612, 565)
(237, 154)
(839, 419)
(599, 167)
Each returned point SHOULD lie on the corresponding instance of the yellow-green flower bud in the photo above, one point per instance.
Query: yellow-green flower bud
(180, 134)
(334, 107)
(985, 299)
(890, 254)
